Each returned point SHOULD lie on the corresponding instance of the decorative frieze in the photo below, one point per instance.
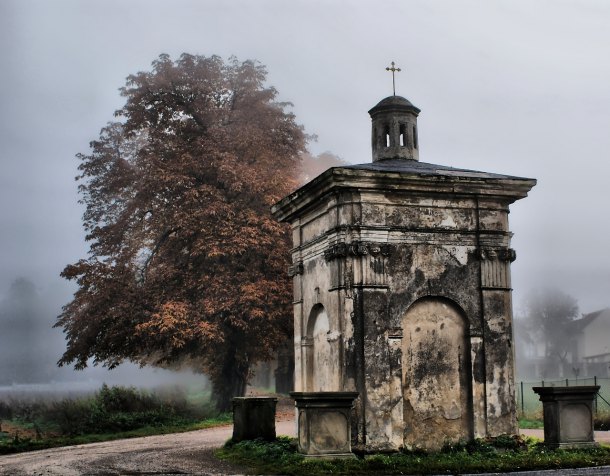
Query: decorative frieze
(357, 248)
(501, 254)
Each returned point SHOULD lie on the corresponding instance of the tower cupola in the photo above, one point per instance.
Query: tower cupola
(394, 134)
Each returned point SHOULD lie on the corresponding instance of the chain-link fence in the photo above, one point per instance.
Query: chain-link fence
(529, 404)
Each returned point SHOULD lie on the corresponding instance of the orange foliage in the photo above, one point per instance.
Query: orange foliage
(186, 263)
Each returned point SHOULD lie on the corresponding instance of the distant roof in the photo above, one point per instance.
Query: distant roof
(586, 319)
(403, 166)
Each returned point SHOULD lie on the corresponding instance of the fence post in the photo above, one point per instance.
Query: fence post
(595, 383)
(567, 383)
(522, 402)
(543, 383)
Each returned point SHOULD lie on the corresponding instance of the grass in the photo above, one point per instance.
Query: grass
(533, 420)
(16, 444)
(530, 424)
(108, 414)
(490, 455)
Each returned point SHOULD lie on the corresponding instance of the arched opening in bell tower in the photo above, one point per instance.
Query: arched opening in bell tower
(414, 136)
(403, 135)
(387, 136)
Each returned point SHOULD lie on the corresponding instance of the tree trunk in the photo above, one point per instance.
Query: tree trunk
(230, 383)
(284, 375)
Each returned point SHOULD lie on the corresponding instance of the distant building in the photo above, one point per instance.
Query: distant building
(586, 355)
(592, 339)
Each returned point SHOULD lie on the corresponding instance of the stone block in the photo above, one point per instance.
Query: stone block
(324, 424)
(568, 415)
(254, 417)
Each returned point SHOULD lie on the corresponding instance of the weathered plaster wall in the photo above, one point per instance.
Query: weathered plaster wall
(370, 259)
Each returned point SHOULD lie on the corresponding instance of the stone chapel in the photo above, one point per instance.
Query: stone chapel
(402, 291)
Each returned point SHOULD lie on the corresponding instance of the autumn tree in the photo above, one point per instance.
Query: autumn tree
(186, 265)
(549, 315)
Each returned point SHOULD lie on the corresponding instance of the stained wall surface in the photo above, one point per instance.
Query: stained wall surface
(414, 282)
(402, 291)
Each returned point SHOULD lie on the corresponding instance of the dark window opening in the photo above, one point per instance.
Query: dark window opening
(403, 135)
(415, 137)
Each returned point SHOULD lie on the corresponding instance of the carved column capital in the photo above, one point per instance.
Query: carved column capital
(295, 269)
(499, 254)
(357, 248)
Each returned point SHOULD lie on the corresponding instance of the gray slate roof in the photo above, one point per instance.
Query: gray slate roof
(402, 166)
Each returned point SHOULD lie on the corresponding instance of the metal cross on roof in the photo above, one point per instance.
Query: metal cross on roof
(394, 70)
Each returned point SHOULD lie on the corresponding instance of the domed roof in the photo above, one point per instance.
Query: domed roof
(393, 103)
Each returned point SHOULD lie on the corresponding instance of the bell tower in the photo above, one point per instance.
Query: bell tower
(394, 134)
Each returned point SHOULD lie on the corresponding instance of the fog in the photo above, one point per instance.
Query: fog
(514, 87)
(30, 348)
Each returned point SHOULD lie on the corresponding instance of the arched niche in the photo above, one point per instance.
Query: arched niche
(322, 355)
(437, 375)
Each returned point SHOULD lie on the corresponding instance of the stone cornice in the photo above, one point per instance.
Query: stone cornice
(450, 183)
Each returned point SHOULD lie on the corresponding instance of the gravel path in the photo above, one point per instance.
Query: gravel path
(180, 453)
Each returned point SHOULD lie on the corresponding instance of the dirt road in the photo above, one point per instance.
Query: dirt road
(180, 453)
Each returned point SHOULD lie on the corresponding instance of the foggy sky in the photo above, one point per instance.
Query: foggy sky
(514, 87)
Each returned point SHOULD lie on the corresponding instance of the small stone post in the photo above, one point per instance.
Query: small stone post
(254, 417)
(324, 423)
(568, 415)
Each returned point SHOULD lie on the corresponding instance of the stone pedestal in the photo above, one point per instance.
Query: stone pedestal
(568, 415)
(324, 426)
(254, 417)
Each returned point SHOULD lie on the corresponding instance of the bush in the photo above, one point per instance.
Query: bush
(601, 421)
(109, 410)
(73, 417)
(117, 409)
(6, 412)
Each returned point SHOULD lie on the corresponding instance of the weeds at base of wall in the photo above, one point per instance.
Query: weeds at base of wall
(505, 453)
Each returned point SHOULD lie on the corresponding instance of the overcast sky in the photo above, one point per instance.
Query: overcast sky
(515, 87)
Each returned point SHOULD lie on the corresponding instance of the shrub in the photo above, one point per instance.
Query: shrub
(601, 421)
(117, 409)
(109, 410)
(6, 412)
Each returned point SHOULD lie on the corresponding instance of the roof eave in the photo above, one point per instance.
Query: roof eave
(509, 189)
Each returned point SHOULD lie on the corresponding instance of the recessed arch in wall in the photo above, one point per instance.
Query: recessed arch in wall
(437, 373)
(322, 356)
